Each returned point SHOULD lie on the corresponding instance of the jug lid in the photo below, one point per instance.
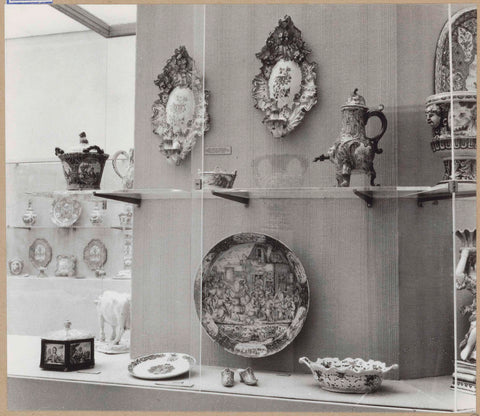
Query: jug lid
(67, 333)
(355, 100)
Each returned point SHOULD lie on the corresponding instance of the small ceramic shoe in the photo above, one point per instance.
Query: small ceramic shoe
(228, 377)
(248, 377)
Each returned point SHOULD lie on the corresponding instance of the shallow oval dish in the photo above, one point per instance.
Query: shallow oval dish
(161, 365)
(351, 375)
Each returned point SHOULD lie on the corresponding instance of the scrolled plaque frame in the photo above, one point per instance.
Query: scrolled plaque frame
(180, 114)
(285, 87)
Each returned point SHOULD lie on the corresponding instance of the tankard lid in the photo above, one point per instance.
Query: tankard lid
(355, 100)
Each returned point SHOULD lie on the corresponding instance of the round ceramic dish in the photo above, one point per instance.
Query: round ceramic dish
(65, 211)
(351, 375)
(251, 295)
(161, 365)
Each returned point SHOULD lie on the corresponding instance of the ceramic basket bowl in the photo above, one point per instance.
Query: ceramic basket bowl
(217, 179)
(349, 375)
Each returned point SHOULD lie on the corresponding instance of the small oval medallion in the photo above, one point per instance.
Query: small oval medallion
(180, 109)
(285, 82)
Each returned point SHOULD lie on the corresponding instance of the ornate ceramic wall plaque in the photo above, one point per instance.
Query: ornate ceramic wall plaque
(180, 114)
(459, 119)
(40, 255)
(95, 254)
(66, 266)
(251, 295)
(285, 87)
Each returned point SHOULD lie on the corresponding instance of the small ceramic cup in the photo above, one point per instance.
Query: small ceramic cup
(247, 376)
(228, 377)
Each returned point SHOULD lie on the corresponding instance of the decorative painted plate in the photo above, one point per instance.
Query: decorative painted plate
(40, 253)
(95, 254)
(65, 211)
(161, 365)
(254, 295)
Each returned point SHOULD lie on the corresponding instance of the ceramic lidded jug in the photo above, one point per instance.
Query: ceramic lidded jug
(353, 150)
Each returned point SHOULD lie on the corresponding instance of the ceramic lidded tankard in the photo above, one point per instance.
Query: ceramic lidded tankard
(353, 150)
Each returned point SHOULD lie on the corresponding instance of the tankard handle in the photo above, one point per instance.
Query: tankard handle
(114, 161)
(374, 140)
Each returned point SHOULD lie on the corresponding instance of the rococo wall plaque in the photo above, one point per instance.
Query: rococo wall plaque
(285, 87)
(180, 114)
(254, 295)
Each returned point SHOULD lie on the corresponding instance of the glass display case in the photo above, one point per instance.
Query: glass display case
(298, 242)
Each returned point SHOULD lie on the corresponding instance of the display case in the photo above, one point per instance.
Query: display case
(290, 205)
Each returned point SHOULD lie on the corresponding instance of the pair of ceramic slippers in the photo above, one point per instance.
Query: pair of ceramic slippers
(247, 376)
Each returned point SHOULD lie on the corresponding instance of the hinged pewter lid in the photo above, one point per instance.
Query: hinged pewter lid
(355, 101)
(68, 334)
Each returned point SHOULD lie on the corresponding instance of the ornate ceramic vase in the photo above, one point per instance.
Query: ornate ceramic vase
(127, 176)
(353, 150)
(83, 166)
(454, 114)
(97, 213)
(29, 217)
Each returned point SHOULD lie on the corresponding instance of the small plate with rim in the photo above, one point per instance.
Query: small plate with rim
(65, 211)
(161, 365)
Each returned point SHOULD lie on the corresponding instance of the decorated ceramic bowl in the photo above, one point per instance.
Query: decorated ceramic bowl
(351, 375)
(217, 179)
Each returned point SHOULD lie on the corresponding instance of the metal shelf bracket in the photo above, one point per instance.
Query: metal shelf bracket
(236, 196)
(129, 199)
(367, 196)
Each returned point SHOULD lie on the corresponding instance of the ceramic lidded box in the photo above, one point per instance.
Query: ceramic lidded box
(83, 165)
(67, 350)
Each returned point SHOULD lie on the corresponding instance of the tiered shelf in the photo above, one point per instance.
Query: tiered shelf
(367, 193)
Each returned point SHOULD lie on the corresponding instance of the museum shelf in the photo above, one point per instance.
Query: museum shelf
(74, 227)
(48, 278)
(427, 394)
(243, 195)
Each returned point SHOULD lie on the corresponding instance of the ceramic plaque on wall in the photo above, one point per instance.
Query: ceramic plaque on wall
(65, 211)
(285, 88)
(95, 254)
(254, 295)
(180, 114)
(66, 266)
(40, 253)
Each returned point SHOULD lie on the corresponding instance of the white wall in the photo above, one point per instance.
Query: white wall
(60, 85)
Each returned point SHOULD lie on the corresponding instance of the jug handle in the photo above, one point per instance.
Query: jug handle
(306, 361)
(374, 140)
(114, 161)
